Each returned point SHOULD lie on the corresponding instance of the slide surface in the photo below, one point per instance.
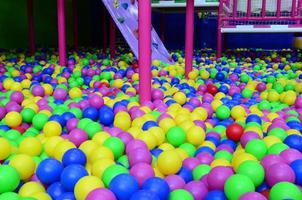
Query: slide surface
(125, 15)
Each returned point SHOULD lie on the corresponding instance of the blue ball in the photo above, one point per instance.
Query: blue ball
(91, 113)
(55, 190)
(123, 186)
(156, 152)
(70, 176)
(204, 149)
(49, 171)
(74, 156)
(294, 141)
(253, 118)
(149, 124)
(66, 196)
(215, 195)
(158, 186)
(185, 174)
(106, 115)
(144, 195)
(220, 76)
(297, 167)
(262, 187)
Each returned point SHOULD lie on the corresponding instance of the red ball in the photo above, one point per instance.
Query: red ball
(234, 132)
(265, 193)
(212, 89)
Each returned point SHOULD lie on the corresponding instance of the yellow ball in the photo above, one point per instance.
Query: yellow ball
(166, 147)
(118, 83)
(5, 149)
(41, 196)
(85, 185)
(220, 162)
(238, 112)
(148, 139)
(88, 146)
(273, 96)
(30, 146)
(242, 157)
(100, 166)
(61, 148)
(204, 74)
(100, 137)
(169, 162)
(203, 114)
(122, 120)
(158, 134)
(30, 188)
(100, 153)
(166, 124)
(24, 164)
(75, 93)
(51, 143)
(182, 153)
(13, 119)
(290, 98)
(186, 125)
(271, 140)
(196, 135)
(180, 98)
(7, 83)
(48, 89)
(52, 128)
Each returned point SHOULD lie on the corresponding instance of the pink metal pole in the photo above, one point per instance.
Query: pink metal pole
(219, 34)
(249, 8)
(75, 24)
(104, 28)
(31, 28)
(162, 26)
(189, 36)
(263, 10)
(61, 32)
(144, 47)
(112, 38)
(278, 8)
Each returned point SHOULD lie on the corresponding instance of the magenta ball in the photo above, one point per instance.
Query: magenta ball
(191, 163)
(252, 196)
(72, 124)
(142, 171)
(157, 94)
(125, 137)
(298, 102)
(248, 136)
(279, 172)
(96, 101)
(17, 96)
(13, 106)
(77, 136)
(290, 155)
(59, 94)
(205, 158)
(175, 182)
(135, 144)
(218, 176)
(139, 155)
(197, 189)
(2, 112)
(100, 194)
(271, 159)
(38, 90)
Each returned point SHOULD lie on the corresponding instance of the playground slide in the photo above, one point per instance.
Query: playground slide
(125, 15)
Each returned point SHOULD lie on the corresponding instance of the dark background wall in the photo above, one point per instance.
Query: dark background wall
(13, 27)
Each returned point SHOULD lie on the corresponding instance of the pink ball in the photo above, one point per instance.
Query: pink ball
(125, 137)
(218, 176)
(135, 144)
(38, 90)
(290, 155)
(142, 171)
(205, 158)
(271, 159)
(175, 182)
(2, 112)
(17, 96)
(72, 124)
(101, 194)
(191, 163)
(248, 136)
(252, 196)
(139, 155)
(157, 94)
(77, 136)
(298, 102)
(59, 94)
(96, 101)
(279, 172)
(13, 106)
(197, 189)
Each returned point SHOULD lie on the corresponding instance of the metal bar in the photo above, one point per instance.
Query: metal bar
(263, 9)
(249, 8)
(189, 37)
(278, 14)
(61, 33)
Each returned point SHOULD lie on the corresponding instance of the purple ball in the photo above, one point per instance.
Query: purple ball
(17, 96)
(218, 176)
(125, 137)
(96, 101)
(252, 196)
(38, 90)
(142, 172)
(101, 194)
(197, 189)
(191, 163)
(298, 102)
(2, 112)
(13, 106)
(279, 172)
(139, 155)
(271, 159)
(72, 124)
(77, 136)
(248, 136)
(205, 158)
(290, 155)
(175, 182)
(157, 94)
(59, 94)
(135, 144)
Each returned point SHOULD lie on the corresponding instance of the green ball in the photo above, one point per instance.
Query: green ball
(92, 128)
(77, 112)
(27, 114)
(106, 76)
(123, 160)
(180, 194)
(200, 171)
(270, 79)
(277, 148)
(112, 172)
(176, 136)
(83, 123)
(9, 196)
(12, 135)
(257, 148)
(224, 155)
(244, 78)
(278, 132)
(223, 112)
(264, 105)
(189, 148)
(237, 185)
(247, 93)
(9, 178)
(116, 145)
(253, 170)
(285, 190)
(39, 120)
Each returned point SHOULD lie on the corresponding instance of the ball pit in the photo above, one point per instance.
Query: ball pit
(232, 130)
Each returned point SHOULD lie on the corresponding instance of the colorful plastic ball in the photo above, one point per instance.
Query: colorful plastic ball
(85, 185)
(158, 186)
(39, 121)
(176, 136)
(218, 176)
(144, 195)
(77, 136)
(197, 188)
(185, 174)
(101, 194)
(223, 112)
(253, 170)
(100, 166)
(169, 162)
(106, 115)
(9, 178)
(37, 90)
(91, 113)
(257, 148)
(215, 195)
(71, 175)
(279, 172)
(5, 148)
(294, 141)
(49, 171)
(30, 146)
(195, 135)
(13, 119)
(111, 172)
(297, 168)
(252, 195)
(200, 171)
(75, 93)
(96, 101)
(180, 194)
(66, 196)
(238, 185)
(74, 156)
(30, 188)
(24, 164)
(124, 186)
(122, 120)
(285, 190)
(10, 196)
(116, 145)
(142, 171)
(234, 132)
(55, 190)
(175, 182)
(27, 114)
(180, 98)
(253, 118)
